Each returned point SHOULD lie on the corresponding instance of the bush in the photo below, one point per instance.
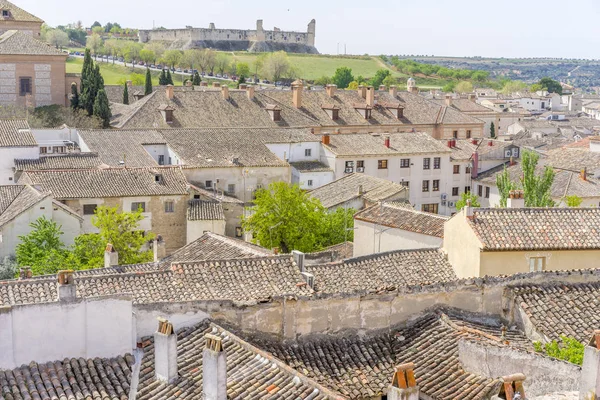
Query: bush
(568, 349)
(8, 268)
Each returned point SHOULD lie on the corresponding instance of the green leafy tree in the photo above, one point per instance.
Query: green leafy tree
(492, 130)
(148, 83)
(379, 77)
(94, 43)
(573, 201)
(148, 56)
(196, 80)
(102, 108)
(353, 85)
(551, 85)
(74, 96)
(535, 88)
(342, 77)
(323, 81)
(463, 87)
(42, 249)
(460, 204)
(242, 69)
(121, 229)
(536, 188)
(389, 81)
(337, 227)
(172, 57)
(125, 94)
(511, 87)
(90, 87)
(568, 349)
(449, 87)
(505, 185)
(162, 79)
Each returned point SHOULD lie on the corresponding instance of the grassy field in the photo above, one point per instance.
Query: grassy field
(112, 74)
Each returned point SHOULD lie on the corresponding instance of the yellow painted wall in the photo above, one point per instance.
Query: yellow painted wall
(462, 246)
(512, 262)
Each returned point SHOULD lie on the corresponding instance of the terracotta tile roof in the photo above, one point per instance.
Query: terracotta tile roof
(212, 246)
(343, 251)
(311, 166)
(200, 108)
(400, 143)
(199, 210)
(244, 280)
(41, 290)
(466, 106)
(383, 272)
(113, 182)
(561, 309)
(510, 229)
(73, 378)
(66, 161)
(347, 187)
(18, 14)
(16, 133)
(115, 146)
(362, 366)
(115, 93)
(574, 159)
(16, 199)
(404, 218)
(20, 43)
(465, 148)
(251, 373)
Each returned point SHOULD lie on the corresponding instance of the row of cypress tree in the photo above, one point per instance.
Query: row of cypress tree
(93, 97)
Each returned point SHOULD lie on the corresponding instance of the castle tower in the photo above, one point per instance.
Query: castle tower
(311, 33)
(260, 33)
(410, 84)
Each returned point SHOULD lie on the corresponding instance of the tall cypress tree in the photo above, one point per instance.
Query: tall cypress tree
(74, 96)
(148, 85)
(169, 78)
(125, 94)
(162, 79)
(102, 108)
(86, 100)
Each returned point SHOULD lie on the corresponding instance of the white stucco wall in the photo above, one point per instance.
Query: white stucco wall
(7, 161)
(370, 238)
(100, 327)
(195, 229)
(56, 137)
(71, 225)
(318, 179)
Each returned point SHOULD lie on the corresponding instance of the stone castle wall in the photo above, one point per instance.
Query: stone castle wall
(235, 39)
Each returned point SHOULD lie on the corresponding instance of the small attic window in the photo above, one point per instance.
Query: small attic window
(332, 111)
(158, 178)
(5, 13)
(364, 110)
(274, 112)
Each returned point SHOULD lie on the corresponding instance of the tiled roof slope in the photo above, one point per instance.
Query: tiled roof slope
(404, 218)
(311, 166)
(243, 280)
(208, 108)
(114, 182)
(16, 133)
(115, 93)
(115, 146)
(400, 143)
(383, 272)
(18, 14)
(251, 374)
(20, 43)
(106, 379)
(347, 187)
(574, 159)
(32, 291)
(66, 161)
(561, 309)
(16, 199)
(361, 367)
(199, 210)
(212, 246)
(465, 148)
(537, 228)
(466, 106)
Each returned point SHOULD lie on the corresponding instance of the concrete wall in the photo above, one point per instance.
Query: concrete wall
(100, 327)
(543, 373)
(195, 229)
(370, 238)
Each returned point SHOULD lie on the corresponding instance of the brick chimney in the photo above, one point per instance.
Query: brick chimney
(474, 141)
(370, 96)
(382, 88)
(490, 143)
(330, 90)
(516, 199)
(472, 97)
(170, 92)
(512, 387)
(297, 88)
(393, 91)
(448, 100)
(214, 369)
(216, 85)
(589, 383)
(362, 91)
(66, 285)
(250, 92)
(414, 89)
(111, 257)
(325, 139)
(404, 385)
(165, 352)
(583, 174)
(386, 141)
(475, 166)
(243, 86)
(225, 92)
(468, 210)
(25, 273)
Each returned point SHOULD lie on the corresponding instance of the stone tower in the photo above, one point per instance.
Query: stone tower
(260, 33)
(311, 33)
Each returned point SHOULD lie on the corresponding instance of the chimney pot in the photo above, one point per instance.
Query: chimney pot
(472, 97)
(298, 259)
(25, 273)
(583, 173)
(170, 92)
(382, 87)
(404, 385)
(386, 141)
(393, 91)
(111, 257)
(516, 199)
(513, 384)
(225, 92)
(450, 143)
(165, 352)
(325, 139)
(448, 100)
(370, 96)
(474, 141)
(330, 89)
(469, 210)
(250, 92)
(214, 369)
(362, 91)
(491, 143)
(66, 285)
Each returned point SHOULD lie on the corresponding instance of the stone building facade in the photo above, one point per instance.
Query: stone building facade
(236, 39)
(15, 18)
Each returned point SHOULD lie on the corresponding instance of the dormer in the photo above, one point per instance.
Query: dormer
(332, 110)
(138, 94)
(159, 178)
(394, 108)
(364, 110)
(274, 112)
(167, 113)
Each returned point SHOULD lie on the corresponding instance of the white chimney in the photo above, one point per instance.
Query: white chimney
(468, 210)
(214, 368)
(404, 385)
(298, 259)
(66, 285)
(165, 352)
(516, 199)
(589, 383)
(111, 257)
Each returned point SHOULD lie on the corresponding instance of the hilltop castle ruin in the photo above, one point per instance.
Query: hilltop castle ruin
(258, 40)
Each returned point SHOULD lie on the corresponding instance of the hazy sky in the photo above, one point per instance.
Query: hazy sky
(510, 28)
